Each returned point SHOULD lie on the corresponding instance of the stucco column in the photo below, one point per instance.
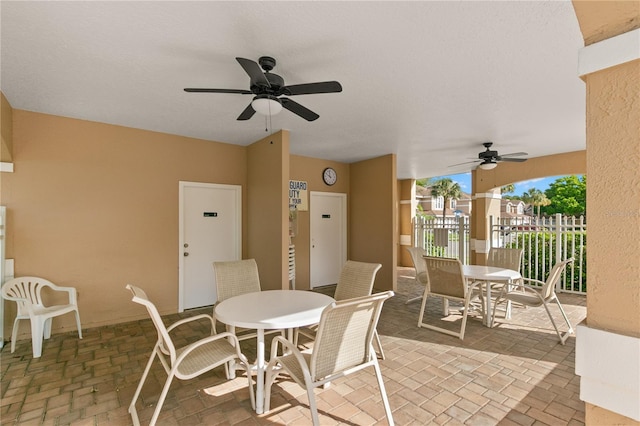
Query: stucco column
(608, 342)
(407, 211)
(483, 205)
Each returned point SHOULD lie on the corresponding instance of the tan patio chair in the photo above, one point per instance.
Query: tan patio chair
(356, 280)
(237, 277)
(343, 346)
(417, 256)
(27, 293)
(447, 280)
(507, 258)
(189, 361)
(535, 296)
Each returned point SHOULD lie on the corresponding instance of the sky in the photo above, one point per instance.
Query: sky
(464, 180)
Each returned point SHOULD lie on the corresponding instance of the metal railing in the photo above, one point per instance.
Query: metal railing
(450, 239)
(545, 242)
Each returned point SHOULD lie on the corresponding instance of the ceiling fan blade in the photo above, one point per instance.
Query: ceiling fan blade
(514, 154)
(255, 72)
(466, 162)
(247, 113)
(514, 160)
(196, 90)
(312, 88)
(298, 109)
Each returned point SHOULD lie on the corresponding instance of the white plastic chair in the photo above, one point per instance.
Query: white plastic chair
(356, 280)
(542, 295)
(27, 293)
(343, 346)
(417, 256)
(447, 280)
(189, 361)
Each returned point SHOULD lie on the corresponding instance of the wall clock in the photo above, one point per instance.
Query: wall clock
(329, 176)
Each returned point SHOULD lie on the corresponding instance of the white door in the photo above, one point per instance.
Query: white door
(328, 223)
(210, 230)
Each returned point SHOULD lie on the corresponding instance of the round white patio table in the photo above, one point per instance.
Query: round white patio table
(268, 310)
(490, 274)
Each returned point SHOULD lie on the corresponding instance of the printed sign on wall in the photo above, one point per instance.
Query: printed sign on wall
(298, 198)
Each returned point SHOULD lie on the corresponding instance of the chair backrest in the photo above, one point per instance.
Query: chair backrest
(445, 277)
(417, 256)
(236, 277)
(356, 279)
(164, 341)
(508, 258)
(548, 289)
(344, 334)
(26, 292)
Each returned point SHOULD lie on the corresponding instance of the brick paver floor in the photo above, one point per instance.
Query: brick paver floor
(514, 374)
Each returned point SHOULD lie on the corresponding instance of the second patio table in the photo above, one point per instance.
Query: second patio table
(490, 274)
(269, 310)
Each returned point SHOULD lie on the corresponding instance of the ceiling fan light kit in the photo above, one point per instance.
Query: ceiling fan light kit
(488, 165)
(269, 88)
(266, 105)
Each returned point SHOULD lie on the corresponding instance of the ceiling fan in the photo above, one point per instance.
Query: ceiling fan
(269, 90)
(489, 159)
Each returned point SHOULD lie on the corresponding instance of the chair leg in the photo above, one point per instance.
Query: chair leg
(422, 307)
(383, 393)
(163, 395)
(569, 332)
(413, 299)
(46, 330)
(132, 406)
(562, 340)
(270, 377)
(14, 334)
(77, 314)
(378, 344)
(463, 327)
(37, 335)
(312, 405)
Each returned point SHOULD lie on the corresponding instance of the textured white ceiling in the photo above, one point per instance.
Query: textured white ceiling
(428, 81)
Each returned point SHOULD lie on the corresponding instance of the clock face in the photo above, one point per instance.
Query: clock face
(329, 176)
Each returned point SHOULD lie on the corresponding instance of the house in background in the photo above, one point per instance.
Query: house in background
(515, 212)
(428, 205)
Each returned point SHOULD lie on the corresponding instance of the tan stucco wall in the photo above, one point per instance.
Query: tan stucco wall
(373, 217)
(310, 170)
(569, 163)
(95, 206)
(613, 192)
(268, 209)
(6, 130)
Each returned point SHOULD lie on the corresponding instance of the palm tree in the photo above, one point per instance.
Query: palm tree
(535, 197)
(447, 189)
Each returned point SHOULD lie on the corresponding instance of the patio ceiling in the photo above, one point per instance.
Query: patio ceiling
(428, 81)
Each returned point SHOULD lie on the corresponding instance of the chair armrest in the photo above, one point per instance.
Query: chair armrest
(225, 335)
(287, 346)
(194, 318)
(532, 280)
(73, 294)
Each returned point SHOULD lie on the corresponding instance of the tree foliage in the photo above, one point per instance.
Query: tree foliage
(567, 195)
(447, 189)
(535, 197)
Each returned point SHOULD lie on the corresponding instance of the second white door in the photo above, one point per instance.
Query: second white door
(328, 250)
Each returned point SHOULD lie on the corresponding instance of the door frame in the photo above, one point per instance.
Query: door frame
(343, 225)
(238, 230)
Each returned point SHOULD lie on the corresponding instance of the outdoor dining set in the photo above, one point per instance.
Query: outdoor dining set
(340, 332)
